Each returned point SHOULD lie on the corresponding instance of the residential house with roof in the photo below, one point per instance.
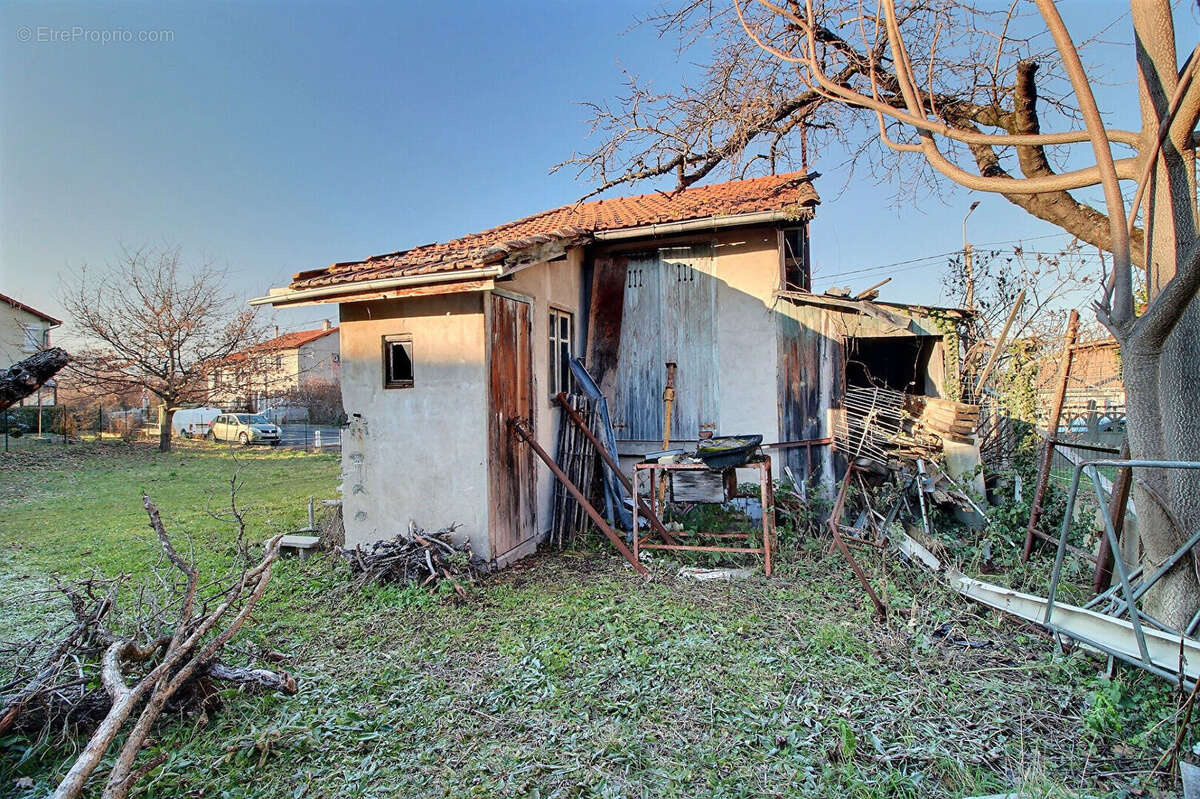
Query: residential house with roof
(23, 331)
(260, 376)
(443, 345)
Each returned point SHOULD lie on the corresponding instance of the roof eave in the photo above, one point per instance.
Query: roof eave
(800, 213)
(287, 296)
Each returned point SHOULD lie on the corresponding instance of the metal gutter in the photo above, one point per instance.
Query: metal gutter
(692, 225)
(287, 297)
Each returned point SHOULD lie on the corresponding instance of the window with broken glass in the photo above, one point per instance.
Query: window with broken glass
(397, 362)
(793, 250)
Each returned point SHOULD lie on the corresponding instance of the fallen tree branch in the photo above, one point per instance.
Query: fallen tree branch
(27, 376)
(166, 655)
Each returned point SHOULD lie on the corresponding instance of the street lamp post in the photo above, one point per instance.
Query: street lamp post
(968, 266)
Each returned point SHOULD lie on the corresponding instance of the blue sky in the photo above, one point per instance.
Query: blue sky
(275, 137)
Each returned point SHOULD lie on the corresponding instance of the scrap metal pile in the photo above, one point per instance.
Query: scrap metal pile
(417, 557)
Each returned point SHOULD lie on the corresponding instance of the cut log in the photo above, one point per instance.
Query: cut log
(27, 376)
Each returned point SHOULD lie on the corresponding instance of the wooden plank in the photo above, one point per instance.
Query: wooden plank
(604, 319)
(689, 336)
(511, 478)
(641, 373)
(520, 429)
(810, 382)
(455, 287)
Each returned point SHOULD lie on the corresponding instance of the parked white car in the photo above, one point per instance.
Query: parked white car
(244, 428)
(193, 422)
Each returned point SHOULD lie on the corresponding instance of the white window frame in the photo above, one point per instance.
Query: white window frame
(559, 381)
(35, 338)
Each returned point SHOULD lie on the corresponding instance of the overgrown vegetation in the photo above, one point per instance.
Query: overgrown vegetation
(568, 676)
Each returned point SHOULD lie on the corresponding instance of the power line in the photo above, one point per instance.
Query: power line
(929, 258)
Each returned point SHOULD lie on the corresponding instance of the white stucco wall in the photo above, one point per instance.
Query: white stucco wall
(415, 453)
(315, 360)
(13, 322)
(748, 274)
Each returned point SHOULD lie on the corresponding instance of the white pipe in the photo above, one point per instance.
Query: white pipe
(287, 297)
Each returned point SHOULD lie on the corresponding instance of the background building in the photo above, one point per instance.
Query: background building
(24, 331)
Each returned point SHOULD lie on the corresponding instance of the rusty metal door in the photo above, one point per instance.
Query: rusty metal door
(669, 314)
(512, 489)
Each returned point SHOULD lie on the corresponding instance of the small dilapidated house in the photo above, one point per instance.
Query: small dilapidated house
(442, 345)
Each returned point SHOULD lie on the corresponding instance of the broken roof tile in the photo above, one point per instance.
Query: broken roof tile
(574, 222)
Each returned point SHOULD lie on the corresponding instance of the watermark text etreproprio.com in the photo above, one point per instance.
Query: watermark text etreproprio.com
(80, 34)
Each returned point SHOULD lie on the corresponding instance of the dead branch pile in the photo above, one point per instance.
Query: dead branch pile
(418, 557)
(103, 665)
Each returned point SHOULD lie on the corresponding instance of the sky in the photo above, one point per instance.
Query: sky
(269, 138)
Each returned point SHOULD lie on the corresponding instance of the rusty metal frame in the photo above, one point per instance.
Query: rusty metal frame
(521, 427)
(766, 494)
(835, 517)
(1043, 480)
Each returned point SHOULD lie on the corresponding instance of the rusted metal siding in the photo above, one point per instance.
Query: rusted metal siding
(810, 379)
(669, 312)
(511, 479)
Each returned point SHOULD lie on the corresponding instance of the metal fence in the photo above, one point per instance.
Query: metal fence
(26, 427)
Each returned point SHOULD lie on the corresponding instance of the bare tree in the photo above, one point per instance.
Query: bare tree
(966, 91)
(153, 325)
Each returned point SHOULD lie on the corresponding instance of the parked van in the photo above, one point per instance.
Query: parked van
(193, 422)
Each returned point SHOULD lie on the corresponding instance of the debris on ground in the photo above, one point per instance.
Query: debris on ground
(112, 671)
(418, 557)
(703, 575)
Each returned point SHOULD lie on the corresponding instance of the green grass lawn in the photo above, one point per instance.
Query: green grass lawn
(567, 676)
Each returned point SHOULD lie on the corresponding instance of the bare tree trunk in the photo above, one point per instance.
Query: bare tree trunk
(1162, 521)
(1163, 405)
(164, 430)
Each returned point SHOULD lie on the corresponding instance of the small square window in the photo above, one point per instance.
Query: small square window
(397, 362)
(562, 349)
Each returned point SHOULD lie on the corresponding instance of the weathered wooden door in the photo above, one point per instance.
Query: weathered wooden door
(512, 490)
(669, 314)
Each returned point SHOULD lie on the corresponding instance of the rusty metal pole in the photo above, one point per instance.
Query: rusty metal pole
(668, 406)
(1064, 371)
(519, 426)
(574, 416)
(1117, 505)
(834, 520)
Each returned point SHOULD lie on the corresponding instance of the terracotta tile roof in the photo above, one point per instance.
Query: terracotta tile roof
(290, 341)
(575, 223)
(22, 306)
(286, 341)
